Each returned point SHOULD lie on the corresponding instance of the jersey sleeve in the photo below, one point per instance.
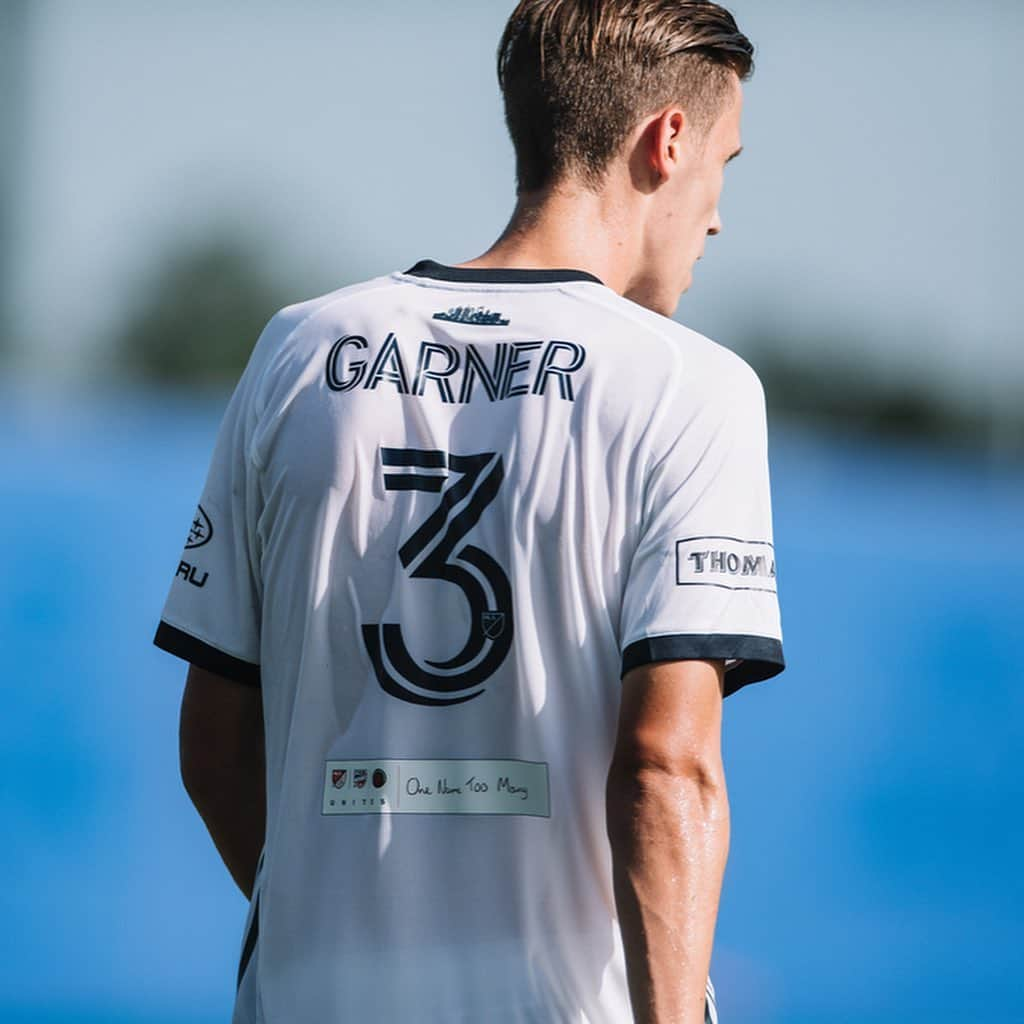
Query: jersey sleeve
(211, 617)
(702, 579)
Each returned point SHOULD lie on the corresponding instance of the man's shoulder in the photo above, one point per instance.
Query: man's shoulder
(287, 321)
(689, 357)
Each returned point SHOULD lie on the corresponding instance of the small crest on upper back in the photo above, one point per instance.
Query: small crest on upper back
(477, 315)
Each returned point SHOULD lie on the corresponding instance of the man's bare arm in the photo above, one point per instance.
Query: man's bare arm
(668, 823)
(222, 766)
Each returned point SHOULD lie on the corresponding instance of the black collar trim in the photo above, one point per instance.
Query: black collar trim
(497, 275)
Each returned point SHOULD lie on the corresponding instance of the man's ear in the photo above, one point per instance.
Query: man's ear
(666, 142)
(657, 149)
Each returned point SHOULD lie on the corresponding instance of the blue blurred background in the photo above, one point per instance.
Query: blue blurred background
(172, 173)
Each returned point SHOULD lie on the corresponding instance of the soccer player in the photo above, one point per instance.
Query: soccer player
(481, 550)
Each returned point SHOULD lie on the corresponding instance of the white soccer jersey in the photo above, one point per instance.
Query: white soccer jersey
(446, 511)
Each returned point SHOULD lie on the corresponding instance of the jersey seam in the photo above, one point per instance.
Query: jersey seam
(614, 302)
(346, 293)
(664, 334)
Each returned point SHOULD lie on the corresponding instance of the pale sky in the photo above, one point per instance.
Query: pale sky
(875, 205)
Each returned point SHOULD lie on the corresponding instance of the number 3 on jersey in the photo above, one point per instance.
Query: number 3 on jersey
(430, 554)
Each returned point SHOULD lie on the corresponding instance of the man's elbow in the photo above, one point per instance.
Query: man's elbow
(642, 759)
(646, 786)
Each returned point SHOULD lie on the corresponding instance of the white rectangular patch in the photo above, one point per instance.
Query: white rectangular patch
(726, 562)
(389, 786)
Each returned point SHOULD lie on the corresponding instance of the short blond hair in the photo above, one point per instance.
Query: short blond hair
(578, 75)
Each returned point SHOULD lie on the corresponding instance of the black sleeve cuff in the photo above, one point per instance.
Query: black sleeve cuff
(203, 655)
(760, 656)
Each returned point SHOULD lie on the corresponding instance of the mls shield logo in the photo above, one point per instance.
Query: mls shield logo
(493, 624)
(339, 776)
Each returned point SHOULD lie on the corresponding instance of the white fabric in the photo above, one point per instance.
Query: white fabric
(590, 484)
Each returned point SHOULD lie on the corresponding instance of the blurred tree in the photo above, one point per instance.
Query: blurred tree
(198, 316)
(836, 388)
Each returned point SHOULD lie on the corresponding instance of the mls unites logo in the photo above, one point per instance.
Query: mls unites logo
(360, 777)
(356, 787)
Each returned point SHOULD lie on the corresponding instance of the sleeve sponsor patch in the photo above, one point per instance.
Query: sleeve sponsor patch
(201, 530)
(727, 562)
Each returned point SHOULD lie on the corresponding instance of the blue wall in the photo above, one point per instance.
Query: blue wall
(875, 787)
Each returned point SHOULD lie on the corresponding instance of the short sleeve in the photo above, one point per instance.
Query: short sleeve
(702, 578)
(211, 617)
